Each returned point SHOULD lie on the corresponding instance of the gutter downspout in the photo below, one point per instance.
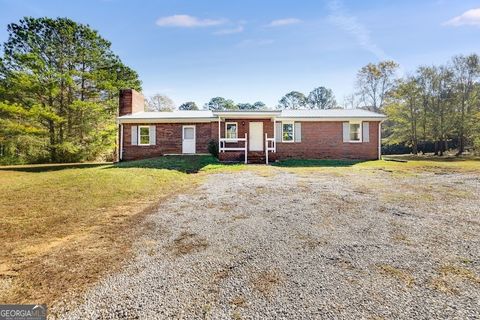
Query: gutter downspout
(120, 147)
(380, 140)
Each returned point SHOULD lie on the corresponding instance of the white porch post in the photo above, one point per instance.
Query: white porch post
(219, 136)
(274, 135)
(266, 148)
(246, 148)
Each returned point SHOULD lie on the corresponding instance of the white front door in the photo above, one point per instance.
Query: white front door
(188, 139)
(255, 141)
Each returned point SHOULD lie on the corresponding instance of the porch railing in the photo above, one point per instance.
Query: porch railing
(222, 147)
(270, 145)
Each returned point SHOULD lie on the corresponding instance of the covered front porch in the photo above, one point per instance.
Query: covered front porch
(247, 136)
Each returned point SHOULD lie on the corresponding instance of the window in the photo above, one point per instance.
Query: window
(231, 131)
(188, 133)
(355, 132)
(143, 135)
(287, 131)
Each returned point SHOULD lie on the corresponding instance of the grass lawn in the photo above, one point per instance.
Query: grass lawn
(409, 164)
(64, 226)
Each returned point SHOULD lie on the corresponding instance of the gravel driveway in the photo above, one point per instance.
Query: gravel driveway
(275, 243)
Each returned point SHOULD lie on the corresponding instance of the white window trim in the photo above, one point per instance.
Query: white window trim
(236, 131)
(293, 131)
(140, 138)
(360, 134)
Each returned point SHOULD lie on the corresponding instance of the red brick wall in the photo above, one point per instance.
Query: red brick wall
(320, 140)
(130, 101)
(324, 140)
(169, 140)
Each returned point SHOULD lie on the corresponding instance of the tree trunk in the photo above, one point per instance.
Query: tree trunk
(461, 134)
(53, 149)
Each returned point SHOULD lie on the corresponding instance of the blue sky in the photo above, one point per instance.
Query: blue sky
(259, 50)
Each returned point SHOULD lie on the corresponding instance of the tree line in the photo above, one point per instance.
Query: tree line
(159, 102)
(318, 98)
(434, 109)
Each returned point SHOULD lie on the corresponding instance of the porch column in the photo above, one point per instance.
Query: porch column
(219, 136)
(274, 134)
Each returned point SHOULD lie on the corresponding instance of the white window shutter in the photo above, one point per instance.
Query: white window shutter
(298, 132)
(134, 136)
(365, 132)
(278, 128)
(153, 135)
(346, 132)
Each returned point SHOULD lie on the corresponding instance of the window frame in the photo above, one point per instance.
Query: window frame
(293, 132)
(139, 137)
(360, 132)
(236, 130)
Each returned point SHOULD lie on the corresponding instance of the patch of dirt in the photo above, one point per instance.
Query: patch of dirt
(188, 242)
(266, 281)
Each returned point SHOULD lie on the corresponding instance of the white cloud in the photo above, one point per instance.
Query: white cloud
(350, 24)
(470, 18)
(186, 21)
(284, 22)
(229, 31)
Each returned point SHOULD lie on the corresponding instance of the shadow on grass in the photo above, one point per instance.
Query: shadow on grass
(183, 163)
(52, 167)
(316, 163)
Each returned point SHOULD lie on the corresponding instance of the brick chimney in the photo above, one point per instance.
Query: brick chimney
(130, 101)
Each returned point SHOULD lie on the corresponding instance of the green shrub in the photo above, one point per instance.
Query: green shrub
(213, 148)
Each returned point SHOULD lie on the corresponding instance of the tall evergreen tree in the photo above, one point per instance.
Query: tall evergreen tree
(65, 79)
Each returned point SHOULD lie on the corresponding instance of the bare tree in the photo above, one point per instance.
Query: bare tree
(373, 83)
(350, 101)
(159, 102)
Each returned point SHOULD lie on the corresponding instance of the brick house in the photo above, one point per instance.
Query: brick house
(249, 136)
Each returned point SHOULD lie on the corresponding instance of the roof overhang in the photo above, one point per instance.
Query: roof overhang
(326, 119)
(165, 120)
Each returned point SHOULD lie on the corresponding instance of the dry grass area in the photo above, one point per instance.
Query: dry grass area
(64, 226)
(403, 276)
